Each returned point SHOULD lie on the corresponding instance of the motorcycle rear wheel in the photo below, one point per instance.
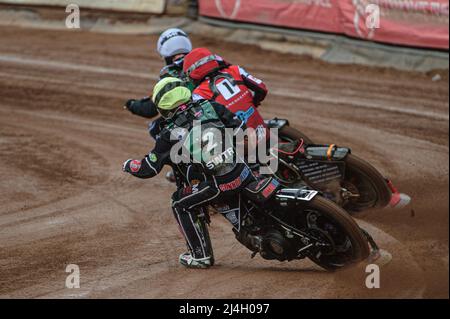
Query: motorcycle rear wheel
(377, 193)
(331, 214)
(372, 186)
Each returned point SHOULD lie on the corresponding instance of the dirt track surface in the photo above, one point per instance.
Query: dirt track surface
(64, 199)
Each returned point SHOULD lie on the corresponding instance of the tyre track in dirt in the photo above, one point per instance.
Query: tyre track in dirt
(309, 92)
(121, 231)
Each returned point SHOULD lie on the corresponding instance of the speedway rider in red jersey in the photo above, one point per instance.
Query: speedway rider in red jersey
(229, 85)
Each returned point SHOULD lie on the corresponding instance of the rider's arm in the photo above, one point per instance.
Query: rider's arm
(256, 85)
(145, 107)
(228, 118)
(152, 164)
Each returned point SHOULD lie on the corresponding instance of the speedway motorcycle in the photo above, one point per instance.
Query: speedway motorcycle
(286, 224)
(334, 171)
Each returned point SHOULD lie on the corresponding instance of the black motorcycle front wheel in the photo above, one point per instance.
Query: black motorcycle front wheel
(343, 241)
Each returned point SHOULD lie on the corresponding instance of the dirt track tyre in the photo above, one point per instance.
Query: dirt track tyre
(369, 183)
(344, 223)
(372, 186)
(295, 135)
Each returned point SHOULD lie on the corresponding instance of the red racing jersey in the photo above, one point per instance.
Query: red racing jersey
(238, 91)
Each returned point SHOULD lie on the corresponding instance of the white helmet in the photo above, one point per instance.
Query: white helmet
(173, 42)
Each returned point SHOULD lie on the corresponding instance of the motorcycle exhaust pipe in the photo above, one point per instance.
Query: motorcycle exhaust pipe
(294, 195)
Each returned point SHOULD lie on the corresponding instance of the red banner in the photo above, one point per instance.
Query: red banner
(421, 23)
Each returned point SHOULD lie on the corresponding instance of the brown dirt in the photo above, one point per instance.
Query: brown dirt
(64, 199)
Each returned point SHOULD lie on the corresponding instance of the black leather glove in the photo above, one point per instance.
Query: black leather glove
(129, 104)
(144, 107)
(126, 166)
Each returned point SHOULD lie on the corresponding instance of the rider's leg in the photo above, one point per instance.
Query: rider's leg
(185, 204)
(194, 175)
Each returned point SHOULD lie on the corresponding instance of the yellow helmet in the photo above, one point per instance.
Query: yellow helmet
(169, 94)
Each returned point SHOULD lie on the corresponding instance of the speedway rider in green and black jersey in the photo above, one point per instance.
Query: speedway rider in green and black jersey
(201, 134)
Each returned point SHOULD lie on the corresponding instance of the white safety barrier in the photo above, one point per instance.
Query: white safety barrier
(144, 6)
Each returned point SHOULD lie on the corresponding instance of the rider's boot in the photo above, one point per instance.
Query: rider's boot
(188, 261)
(195, 230)
(398, 200)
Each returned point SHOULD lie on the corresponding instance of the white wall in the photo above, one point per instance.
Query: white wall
(148, 6)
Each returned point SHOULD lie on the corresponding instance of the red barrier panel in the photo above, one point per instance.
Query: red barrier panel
(422, 23)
